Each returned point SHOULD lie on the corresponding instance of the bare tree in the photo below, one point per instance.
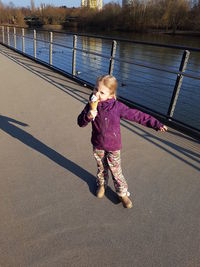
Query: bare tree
(32, 5)
(1, 4)
(176, 13)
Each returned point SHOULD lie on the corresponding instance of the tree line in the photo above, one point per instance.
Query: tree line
(140, 16)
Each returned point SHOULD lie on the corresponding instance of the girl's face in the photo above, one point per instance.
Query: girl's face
(102, 92)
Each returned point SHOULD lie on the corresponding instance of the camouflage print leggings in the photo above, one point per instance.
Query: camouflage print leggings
(110, 160)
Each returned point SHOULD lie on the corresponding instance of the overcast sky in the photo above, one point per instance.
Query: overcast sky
(68, 3)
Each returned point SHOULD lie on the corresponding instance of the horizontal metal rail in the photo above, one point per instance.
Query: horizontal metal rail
(121, 60)
(112, 61)
(148, 66)
(195, 49)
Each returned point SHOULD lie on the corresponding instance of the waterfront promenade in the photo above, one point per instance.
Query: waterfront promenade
(48, 209)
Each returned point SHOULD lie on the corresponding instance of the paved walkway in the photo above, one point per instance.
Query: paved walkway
(49, 215)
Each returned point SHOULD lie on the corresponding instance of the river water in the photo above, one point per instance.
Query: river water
(145, 86)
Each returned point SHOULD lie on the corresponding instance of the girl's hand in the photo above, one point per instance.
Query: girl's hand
(163, 128)
(92, 114)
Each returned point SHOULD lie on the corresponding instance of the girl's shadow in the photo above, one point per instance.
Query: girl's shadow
(6, 124)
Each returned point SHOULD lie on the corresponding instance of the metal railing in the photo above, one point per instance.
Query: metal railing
(107, 62)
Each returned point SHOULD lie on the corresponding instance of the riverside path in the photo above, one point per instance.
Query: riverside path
(49, 215)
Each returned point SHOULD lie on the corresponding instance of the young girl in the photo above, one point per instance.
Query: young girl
(106, 137)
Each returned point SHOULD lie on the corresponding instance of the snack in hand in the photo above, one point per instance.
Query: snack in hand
(93, 102)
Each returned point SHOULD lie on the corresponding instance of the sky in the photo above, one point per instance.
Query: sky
(68, 3)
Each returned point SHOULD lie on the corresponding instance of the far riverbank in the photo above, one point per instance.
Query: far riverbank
(96, 31)
(187, 38)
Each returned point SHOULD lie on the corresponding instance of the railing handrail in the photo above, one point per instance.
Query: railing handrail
(112, 58)
(194, 49)
(149, 66)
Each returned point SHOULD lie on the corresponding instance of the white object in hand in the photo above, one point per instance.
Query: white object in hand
(93, 103)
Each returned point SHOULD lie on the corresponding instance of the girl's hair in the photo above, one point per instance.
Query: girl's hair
(110, 82)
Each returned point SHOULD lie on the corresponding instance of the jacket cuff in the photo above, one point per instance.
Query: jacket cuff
(86, 119)
(159, 126)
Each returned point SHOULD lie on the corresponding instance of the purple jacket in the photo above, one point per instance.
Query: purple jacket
(106, 126)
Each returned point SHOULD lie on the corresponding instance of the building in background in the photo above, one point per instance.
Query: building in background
(126, 2)
(92, 4)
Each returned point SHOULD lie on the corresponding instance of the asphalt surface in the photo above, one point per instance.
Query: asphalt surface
(49, 215)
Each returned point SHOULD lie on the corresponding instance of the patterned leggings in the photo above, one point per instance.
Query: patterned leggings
(110, 160)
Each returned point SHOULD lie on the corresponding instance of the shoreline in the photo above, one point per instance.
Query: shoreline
(59, 27)
(184, 33)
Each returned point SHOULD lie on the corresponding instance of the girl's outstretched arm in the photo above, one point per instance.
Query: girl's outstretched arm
(140, 117)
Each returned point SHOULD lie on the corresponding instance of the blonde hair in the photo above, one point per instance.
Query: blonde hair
(110, 82)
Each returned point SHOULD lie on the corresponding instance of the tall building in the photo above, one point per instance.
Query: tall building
(83, 3)
(127, 2)
(92, 4)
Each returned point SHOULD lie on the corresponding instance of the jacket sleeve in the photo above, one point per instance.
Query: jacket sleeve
(139, 117)
(83, 118)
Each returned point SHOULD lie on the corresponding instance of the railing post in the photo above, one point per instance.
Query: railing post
(3, 34)
(178, 83)
(50, 47)
(34, 43)
(15, 42)
(8, 33)
(23, 41)
(112, 56)
(74, 55)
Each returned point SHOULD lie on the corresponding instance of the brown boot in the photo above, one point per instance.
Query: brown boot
(127, 203)
(100, 191)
